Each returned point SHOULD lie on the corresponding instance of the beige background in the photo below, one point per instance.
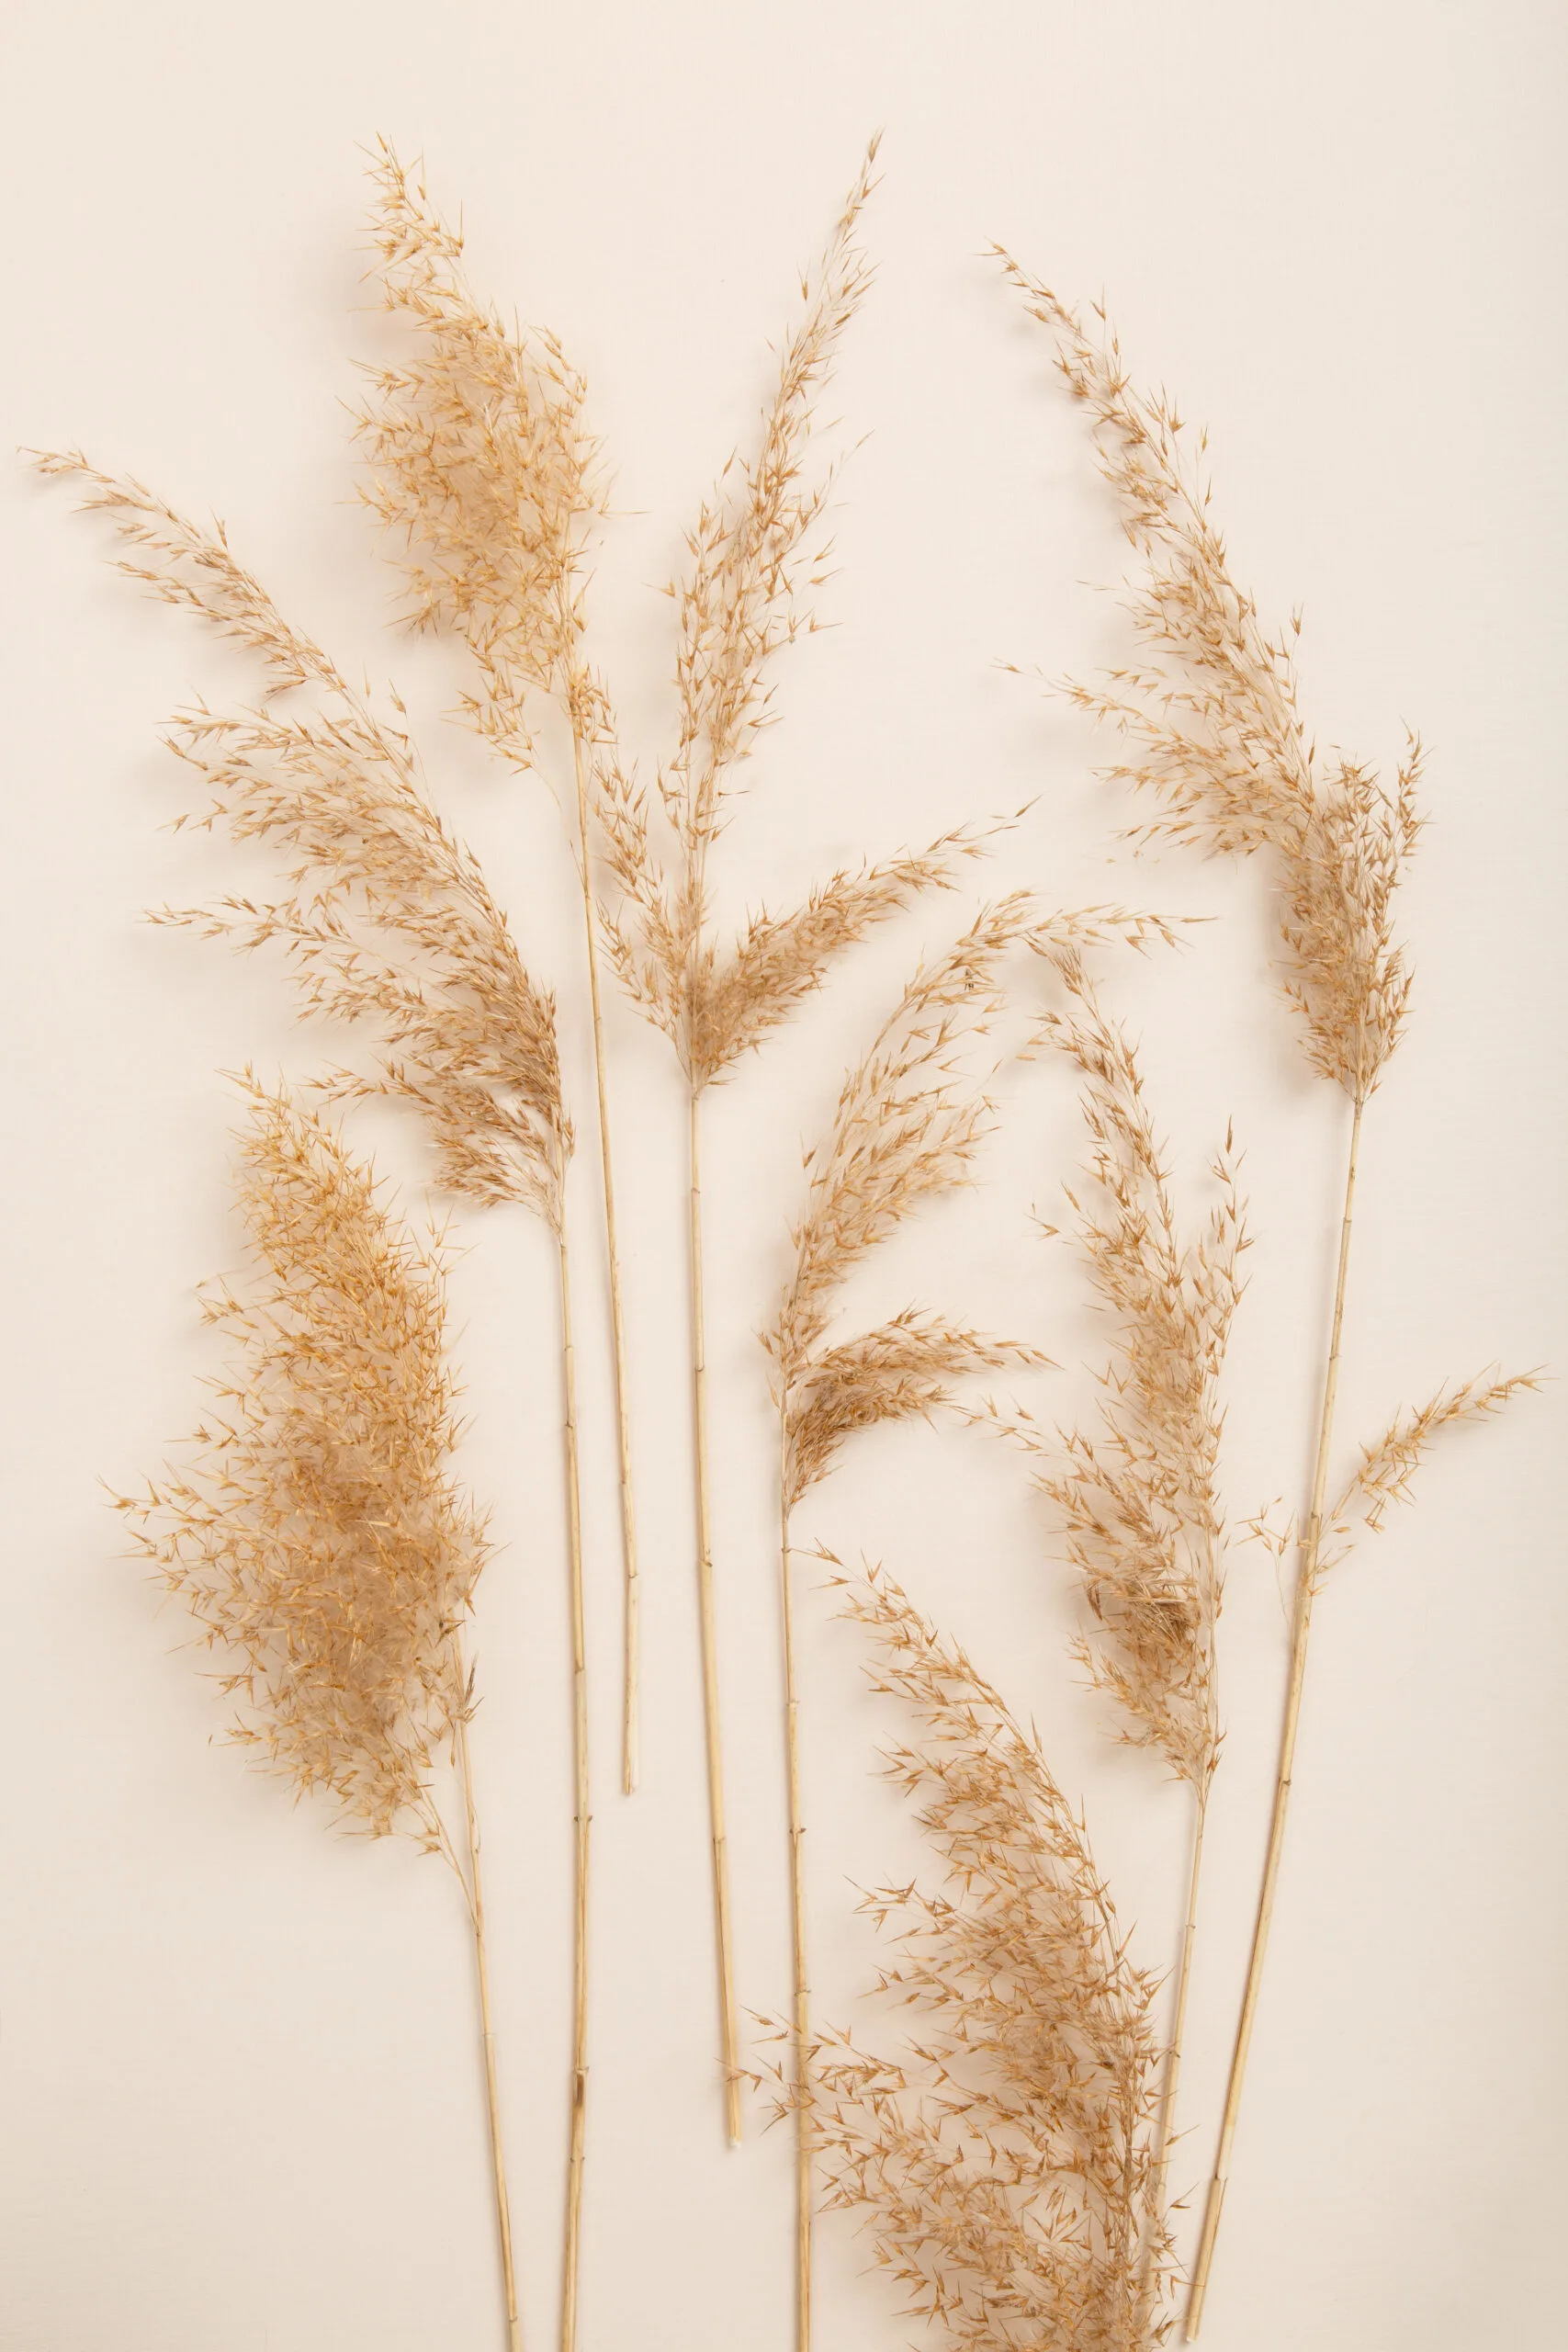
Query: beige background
(239, 2099)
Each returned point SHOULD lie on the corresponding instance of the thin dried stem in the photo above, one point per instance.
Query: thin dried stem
(1170, 2086)
(729, 2031)
(800, 2019)
(487, 2036)
(582, 1814)
(1305, 1590)
(1384, 1469)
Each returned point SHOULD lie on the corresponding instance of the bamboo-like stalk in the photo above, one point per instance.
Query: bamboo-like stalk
(630, 1739)
(573, 2244)
(1304, 1595)
(801, 2010)
(474, 1889)
(729, 2030)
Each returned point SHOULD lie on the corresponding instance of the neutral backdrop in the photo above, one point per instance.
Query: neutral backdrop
(240, 2101)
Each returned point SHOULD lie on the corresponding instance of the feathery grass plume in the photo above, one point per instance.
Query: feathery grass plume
(754, 555)
(1214, 734)
(480, 463)
(1137, 1495)
(1005, 2165)
(318, 1536)
(910, 1120)
(386, 920)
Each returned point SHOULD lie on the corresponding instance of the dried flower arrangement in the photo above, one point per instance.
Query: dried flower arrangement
(1215, 738)
(480, 460)
(317, 1535)
(1015, 2164)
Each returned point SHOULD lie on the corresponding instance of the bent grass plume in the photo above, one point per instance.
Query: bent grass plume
(1007, 2164)
(1136, 1495)
(1214, 736)
(910, 1120)
(386, 920)
(317, 1535)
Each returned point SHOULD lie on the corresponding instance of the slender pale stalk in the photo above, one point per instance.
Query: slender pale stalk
(474, 1890)
(1306, 1590)
(802, 2010)
(630, 1740)
(729, 2032)
(583, 1818)
(1164, 2121)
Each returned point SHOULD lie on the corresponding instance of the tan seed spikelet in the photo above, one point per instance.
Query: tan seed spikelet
(753, 546)
(482, 465)
(1214, 732)
(386, 918)
(717, 1004)
(754, 554)
(1387, 1465)
(1004, 2164)
(318, 1536)
(1137, 1495)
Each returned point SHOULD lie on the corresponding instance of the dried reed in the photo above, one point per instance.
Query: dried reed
(317, 1535)
(481, 466)
(387, 920)
(1007, 2164)
(1137, 1496)
(1216, 736)
(753, 558)
(910, 1120)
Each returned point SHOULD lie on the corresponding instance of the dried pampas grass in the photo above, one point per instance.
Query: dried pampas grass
(1214, 736)
(318, 1536)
